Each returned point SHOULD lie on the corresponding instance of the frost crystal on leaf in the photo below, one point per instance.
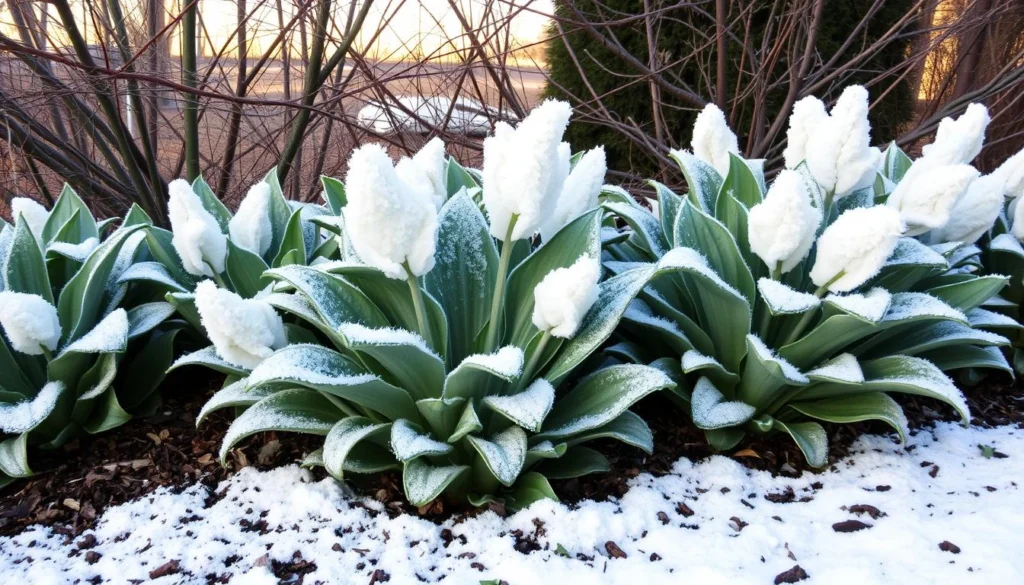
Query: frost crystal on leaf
(766, 354)
(30, 322)
(528, 408)
(782, 227)
(108, 336)
(693, 260)
(408, 443)
(870, 306)
(200, 244)
(504, 453)
(911, 305)
(383, 336)
(244, 331)
(842, 368)
(525, 169)
(507, 362)
(565, 295)
(710, 410)
(390, 222)
(77, 252)
(713, 140)
(250, 227)
(855, 246)
(783, 300)
(693, 359)
(23, 416)
(310, 364)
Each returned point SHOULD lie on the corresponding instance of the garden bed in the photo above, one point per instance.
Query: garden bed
(150, 500)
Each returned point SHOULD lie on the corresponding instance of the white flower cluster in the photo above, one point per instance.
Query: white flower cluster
(781, 228)
(526, 175)
(198, 239)
(244, 331)
(30, 322)
(564, 296)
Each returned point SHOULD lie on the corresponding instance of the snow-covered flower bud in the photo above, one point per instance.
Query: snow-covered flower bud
(1012, 172)
(855, 246)
(579, 194)
(806, 119)
(928, 192)
(1016, 211)
(30, 322)
(713, 140)
(244, 331)
(524, 169)
(427, 170)
(32, 213)
(838, 151)
(781, 228)
(975, 212)
(564, 296)
(959, 141)
(389, 222)
(198, 240)
(250, 227)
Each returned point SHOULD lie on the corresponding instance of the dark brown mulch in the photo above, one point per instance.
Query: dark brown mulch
(76, 484)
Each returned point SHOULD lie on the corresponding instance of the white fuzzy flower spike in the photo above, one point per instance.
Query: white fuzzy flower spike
(855, 247)
(1017, 221)
(30, 322)
(34, 215)
(524, 169)
(579, 193)
(928, 192)
(975, 212)
(1012, 172)
(565, 295)
(197, 239)
(244, 331)
(782, 227)
(250, 227)
(426, 170)
(713, 140)
(807, 117)
(389, 222)
(959, 141)
(838, 151)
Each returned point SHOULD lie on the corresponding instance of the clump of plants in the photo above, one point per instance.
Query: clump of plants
(83, 349)
(816, 297)
(446, 341)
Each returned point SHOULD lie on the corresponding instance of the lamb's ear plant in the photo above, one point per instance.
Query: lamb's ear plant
(807, 301)
(207, 242)
(81, 349)
(444, 353)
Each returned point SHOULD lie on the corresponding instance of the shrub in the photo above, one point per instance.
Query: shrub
(83, 349)
(439, 355)
(814, 299)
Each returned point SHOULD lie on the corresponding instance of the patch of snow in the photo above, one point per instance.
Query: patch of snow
(973, 502)
(383, 336)
(784, 300)
(23, 416)
(507, 362)
(710, 410)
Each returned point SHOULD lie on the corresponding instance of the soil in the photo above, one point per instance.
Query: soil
(76, 484)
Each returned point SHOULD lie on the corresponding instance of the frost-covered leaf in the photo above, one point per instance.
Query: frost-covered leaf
(25, 415)
(14, 457)
(710, 409)
(424, 482)
(647, 325)
(694, 361)
(646, 228)
(600, 398)
(484, 374)
(403, 354)
(712, 240)
(323, 369)
(232, 395)
(870, 306)
(441, 414)
(408, 442)
(842, 368)
(468, 423)
(934, 336)
(764, 373)
(811, 439)
(702, 180)
(108, 336)
(143, 318)
(343, 437)
(577, 462)
(24, 269)
(783, 300)
(335, 300)
(296, 410)
(968, 356)
(504, 453)
(463, 277)
(208, 357)
(527, 408)
(851, 409)
(971, 293)
(983, 319)
(627, 428)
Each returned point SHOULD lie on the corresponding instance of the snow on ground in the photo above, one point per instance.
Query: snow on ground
(708, 522)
